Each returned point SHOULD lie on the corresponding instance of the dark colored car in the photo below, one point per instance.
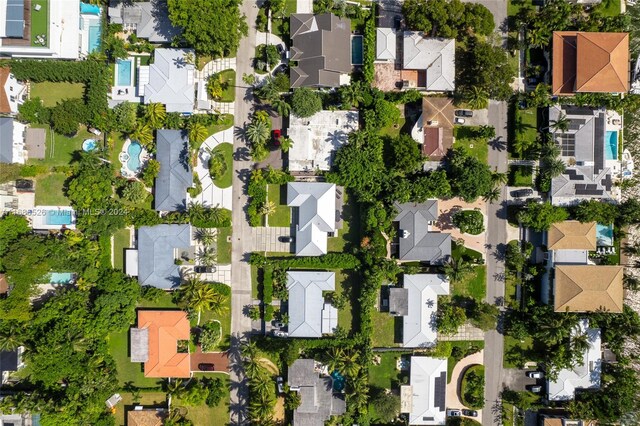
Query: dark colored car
(203, 269)
(285, 239)
(205, 366)
(470, 413)
(280, 69)
(397, 22)
(280, 48)
(522, 193)
(463, 113)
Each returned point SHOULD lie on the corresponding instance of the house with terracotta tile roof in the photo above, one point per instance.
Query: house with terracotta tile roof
(588, 288)
(572, 235)
(590, 62)
(12, 92)
(155, 343)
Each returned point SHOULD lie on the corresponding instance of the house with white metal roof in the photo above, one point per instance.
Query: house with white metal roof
(435, 57)
(316, 204)
(170, 80)
(424, 398)
(309, 314)
(175, 175)
(385, 45)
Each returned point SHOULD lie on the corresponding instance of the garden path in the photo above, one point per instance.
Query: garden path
(213, 67)
(453, 397)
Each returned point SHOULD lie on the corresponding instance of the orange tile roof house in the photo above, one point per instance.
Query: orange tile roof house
(590, 62)
(155, 342)
(588, 288)
(572, 235)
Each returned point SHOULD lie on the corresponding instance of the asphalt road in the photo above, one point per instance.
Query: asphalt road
(241, 245)
(496, 244)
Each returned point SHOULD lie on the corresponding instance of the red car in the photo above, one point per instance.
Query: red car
(277, 134)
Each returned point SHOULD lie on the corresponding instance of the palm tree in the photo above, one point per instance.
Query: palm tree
(9, 338)
(172, 387)
(632, 249)
(333, 358)
(630, 282)
(206, 298)
(281, 106)
(499, 178)
(156, 114)
(206, 236)
(457, 269)
(196, 210)
(553, 331)
(549, 150)
(258, 132)
(143, 134)
(208, 256)
(249, 350)
(350, 365)
(351, 94)
(492, 195)
(197, 133)
(267, 209)
(286, 144)
(554, 166)
(561, 123)
(477, 98)
(580, 344)
(214, 86)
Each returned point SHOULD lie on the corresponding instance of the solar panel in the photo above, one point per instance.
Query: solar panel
(580, 187)
(592, 186)
(440, 391)
(568, 145)
(14, 25)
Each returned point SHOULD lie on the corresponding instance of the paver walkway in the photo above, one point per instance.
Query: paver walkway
(465, 332)
(213, 67)
(446, 208)
(453, 398)
(212, 195)
(267, 238)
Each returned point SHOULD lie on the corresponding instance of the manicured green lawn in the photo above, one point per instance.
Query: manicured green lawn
(224, 246)
(474, 285)
(290, 6)
(349, 235)
(514, 350)
(225, 320)
(526, 125)
(52, 93)
(204, 415)
(118, 143)
(393, 130)
(228, 78)
(282, 215)
(345, 283)
(385, 375)
(39, 21)
(464, 345)
(121, 239)
(520, 176)
(226, 149)
(383, 329)
(59, 148)
(476, 147)
(609, 7)
(147, 399)
(49, 190)
(225, 121)
(128, 372)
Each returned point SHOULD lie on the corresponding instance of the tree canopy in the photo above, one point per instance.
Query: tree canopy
(469, 177)
(305, 102)
(448, 19)
(540, 216)
(212, 27)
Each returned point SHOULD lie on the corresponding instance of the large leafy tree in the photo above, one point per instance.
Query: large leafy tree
(305, 102)
(470, 178)
(540, 216)
(449, 19)
(212, 27)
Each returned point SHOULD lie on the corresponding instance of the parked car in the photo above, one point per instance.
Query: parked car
(285, 239)
(454, 413)
(535, 374)
(278, 324)
(280, 69)
(470, 413)
(458, 120)
(277, 134)
(280, 48)
(280, 383)
(205, 366)
(278, 333)
(534, 388)
(397, 22)
(522, 193)
(463, 113)
(200, 269)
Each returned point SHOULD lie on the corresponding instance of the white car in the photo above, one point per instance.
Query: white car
(280, 384)
(458, 120)
(535, 374)
(454, 413)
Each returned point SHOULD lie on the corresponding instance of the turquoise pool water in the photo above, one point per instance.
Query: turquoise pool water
(89, 145)
(123, 72)
(134, 150)
(356, 50)
(61, 277)
(338, 381)
(94, 38)
(611, 145)
(604, 235)
(89, 9)
(58, 217)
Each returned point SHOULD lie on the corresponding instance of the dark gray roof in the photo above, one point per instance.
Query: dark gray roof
(175, 176)
(157, 246)
(151, 19)
(398, 301)
(321, 44)
(416, 242)
(317, 400)
(14, 24)
(6, 140)
(8, 361)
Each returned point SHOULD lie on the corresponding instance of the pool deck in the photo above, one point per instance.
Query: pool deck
(37, 218)
(125, 93)
(124, 159)
(87, 21)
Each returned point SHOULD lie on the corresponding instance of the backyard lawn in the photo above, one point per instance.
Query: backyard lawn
(39, 21)
(345, 282)
(226, 149)
(128, 372)
(49, 190)
(224, 246)
(474, 285)
(385, 375)
(282, 215)
(118, 143)
(51, 93)
(147, 399)
(228, 79)
(59, 148)
(477, 148)
(205, 415)
(383, 329)
(121, 240)
(350, 233)
(520, 176)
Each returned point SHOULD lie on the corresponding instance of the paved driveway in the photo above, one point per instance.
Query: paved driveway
(267, 238)
(516, 379)
(446, 209)
(453, 387)
(220, 360)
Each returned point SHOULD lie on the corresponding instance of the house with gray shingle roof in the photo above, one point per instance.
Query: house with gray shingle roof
(171, 80)
(433, 58)
(175, 176)
(318, 402)
(11, 141)
(158, 248)
(149, 19)
(316, 204)
(309, 314)
(321, 46)
(416, 242)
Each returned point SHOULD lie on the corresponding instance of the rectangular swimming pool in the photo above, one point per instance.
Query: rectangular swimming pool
(356, 50)
(611, 145)
(94, 38)
(123, 72)
(58, 217)
(60, 277)
(604, 235)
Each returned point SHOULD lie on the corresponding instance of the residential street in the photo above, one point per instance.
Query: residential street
(496, 245)
(241, 246)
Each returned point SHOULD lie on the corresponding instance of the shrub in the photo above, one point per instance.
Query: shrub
(267, 55)
(150, 172)
(217, 165)
(33, 111)
(267, 286)
(134, 191)
(254, 312)
(469, 221)
(66, 116)
(221, 288)
(151, 293)
(305, 102)
(369, 48)
(472, 388)
(210, 336)
(268, 313)
(217, 391)
(212, 218)
(31, 170)
(327, 261)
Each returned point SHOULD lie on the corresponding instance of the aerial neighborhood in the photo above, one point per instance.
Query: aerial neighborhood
(319, 212)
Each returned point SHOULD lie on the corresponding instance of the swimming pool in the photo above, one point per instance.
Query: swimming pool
(356, 50)
(61, 277)
(89, 145)
(338, 381)
(94, 38)
(58, 217)
(604, 235)
(611, 145)
(89, 9)
(123, 72)
(134, 150)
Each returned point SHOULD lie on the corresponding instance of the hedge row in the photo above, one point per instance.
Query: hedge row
(138, 217)
(369, 47)
(267, 286)
(327, 261)
(257, 191)
(268, 313)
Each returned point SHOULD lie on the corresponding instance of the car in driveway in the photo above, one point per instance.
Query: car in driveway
(458, 120)
(285, 239)
(535, 374)
(280, 69)
(280, 383)
(277, 134)
(278, 333)
(454, 413)
(206, 366)
(520, 193)
(470, 413)
(534, 388)
(280, 48)
(463, 113)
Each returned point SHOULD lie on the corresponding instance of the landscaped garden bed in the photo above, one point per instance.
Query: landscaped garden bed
(520, 175)
(472, 387)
